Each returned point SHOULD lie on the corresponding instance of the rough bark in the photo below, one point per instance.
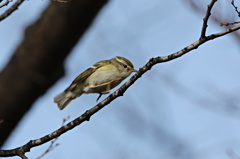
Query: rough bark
(37, 62)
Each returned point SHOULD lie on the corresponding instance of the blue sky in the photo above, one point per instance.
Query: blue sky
(179, 109)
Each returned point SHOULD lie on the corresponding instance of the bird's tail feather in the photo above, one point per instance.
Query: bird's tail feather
(63, 99)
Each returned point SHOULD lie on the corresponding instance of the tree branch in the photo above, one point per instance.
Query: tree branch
(227, 23)
(23, 156)
(86, 116)
(217, 19)
(238, 13)
(11, 9)
(4, 4)
(205, 19)
(235, 7)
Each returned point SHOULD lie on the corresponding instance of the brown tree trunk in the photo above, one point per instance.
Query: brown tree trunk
(37, 62)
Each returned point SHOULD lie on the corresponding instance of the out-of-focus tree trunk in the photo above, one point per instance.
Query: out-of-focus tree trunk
(37, 62)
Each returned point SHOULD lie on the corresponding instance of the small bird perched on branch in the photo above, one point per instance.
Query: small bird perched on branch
(100, 78)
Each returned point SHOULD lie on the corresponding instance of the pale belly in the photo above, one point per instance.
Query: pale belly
(103, 81)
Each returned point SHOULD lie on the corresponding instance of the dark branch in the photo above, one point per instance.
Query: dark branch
(4, 4)
(205, 19)
(23, 156)
(235, 7)
(11, 9)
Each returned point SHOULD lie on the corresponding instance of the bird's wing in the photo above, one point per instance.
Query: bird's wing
(84, 75)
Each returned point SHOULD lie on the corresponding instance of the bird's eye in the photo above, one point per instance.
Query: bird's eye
(125, 66)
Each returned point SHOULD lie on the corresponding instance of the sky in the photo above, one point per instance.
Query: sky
(185, 108)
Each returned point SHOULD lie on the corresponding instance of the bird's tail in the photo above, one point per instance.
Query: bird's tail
(63, 99)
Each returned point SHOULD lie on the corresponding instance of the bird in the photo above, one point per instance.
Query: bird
(99, 78)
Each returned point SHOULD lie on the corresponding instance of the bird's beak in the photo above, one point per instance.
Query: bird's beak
(132, 70)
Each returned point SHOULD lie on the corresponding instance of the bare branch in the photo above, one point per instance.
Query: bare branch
(153, 61)
(227, 23)
(23, 156)
(232, 23)
(236, 8)
(217, 19)
(213, 36)
(11, 9)
(205, 19)
(53, 144)
(4, 4)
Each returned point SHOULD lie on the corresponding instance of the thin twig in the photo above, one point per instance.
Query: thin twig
(50, 148)
(216, 19)
(235, 7)
(205, 19)
(4, 4)
(232, 23)
(53, 142)
(227, 23)
(11, 9)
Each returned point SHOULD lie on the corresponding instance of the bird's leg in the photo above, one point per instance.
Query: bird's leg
(100, 94)
(99, 97)
(108, 84)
